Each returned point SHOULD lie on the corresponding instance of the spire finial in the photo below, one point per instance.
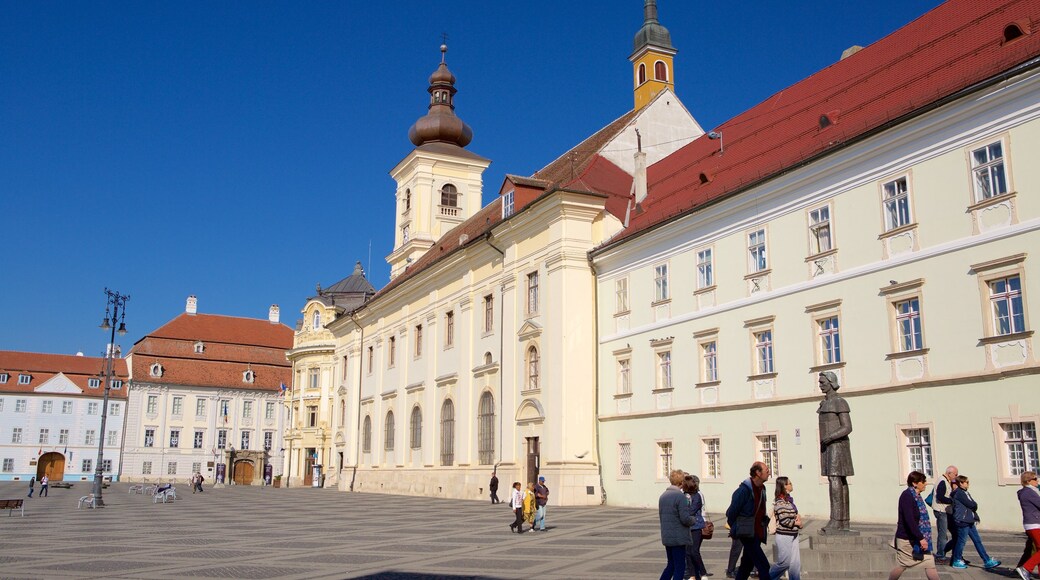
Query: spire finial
(444, 45)
(650, 11)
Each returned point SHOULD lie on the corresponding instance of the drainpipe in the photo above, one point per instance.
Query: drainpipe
(357, 425)
(501, 350)
(595, 362)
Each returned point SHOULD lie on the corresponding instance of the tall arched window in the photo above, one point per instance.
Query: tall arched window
(486, 429)
(416, 427)
(642, 73)
(316, 320)
(388, 433)
(366, 435)
(533, 363)
(660, 71)
(447, 433)
(449, 195)
(407, 199)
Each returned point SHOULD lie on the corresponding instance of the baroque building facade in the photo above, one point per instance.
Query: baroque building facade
(876, 220)
(206, 397)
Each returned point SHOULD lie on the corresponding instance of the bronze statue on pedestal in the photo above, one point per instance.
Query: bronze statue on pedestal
(835, 453)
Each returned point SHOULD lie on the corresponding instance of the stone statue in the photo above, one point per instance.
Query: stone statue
(835, 452)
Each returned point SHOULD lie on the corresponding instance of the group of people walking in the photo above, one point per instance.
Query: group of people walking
(44, 486)
(196, 481)
(528, 505)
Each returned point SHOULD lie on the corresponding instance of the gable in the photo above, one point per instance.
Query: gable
(59, 383)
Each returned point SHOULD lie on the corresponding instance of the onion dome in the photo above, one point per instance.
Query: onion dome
(652, 33)
(440, 124)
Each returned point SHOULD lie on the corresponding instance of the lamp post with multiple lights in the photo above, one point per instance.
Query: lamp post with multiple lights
(115, 311)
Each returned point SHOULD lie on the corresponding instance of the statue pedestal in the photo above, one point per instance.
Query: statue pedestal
(831, 533)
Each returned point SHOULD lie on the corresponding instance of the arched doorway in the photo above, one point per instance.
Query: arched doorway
(52, 465)
(244, 472)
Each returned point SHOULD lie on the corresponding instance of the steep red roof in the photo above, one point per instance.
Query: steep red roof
(217, 374)
(43, 367)
(567, 168)
(225, 329)
(951, 48)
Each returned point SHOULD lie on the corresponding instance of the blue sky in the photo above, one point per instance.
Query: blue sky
(239, 151)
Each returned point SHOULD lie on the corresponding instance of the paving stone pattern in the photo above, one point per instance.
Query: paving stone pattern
(255, 532)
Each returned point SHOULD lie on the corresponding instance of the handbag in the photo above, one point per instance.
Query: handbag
(708, 530)
(745, 527)
(931, 497)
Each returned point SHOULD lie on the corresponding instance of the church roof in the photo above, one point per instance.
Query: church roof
(955, 47)
(356, 283)
(42, 367)
(652, 33)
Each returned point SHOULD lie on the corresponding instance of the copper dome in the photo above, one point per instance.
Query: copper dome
(440, 124)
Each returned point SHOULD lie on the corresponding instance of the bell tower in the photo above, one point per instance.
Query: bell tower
(652, 57)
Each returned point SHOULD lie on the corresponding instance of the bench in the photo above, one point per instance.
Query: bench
(12, 504)
(61, 484)
(90, 500)
(168, 494)
(138, 489)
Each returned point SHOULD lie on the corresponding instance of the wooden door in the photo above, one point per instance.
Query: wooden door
(52, 465)
(308, 469)
(533, 460)
(243, 473)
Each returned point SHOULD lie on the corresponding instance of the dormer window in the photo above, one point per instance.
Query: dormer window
(248, 376)
(3, 378)
(1011, 32)
(316, 320)
(199, 347)
(449, 195)
(507, 204)
(24, 379)
(116, 384)
(94, 383)
(156, 370)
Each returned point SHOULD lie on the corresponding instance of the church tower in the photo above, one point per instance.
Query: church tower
(439, 184)
(652, 57)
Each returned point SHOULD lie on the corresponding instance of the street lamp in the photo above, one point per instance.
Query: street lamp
(116, 306)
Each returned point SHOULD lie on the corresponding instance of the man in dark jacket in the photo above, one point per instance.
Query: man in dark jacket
(747, 517)
(493, 488)
(676, 518)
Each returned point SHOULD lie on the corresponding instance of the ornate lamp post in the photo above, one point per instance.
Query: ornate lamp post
(115, 311)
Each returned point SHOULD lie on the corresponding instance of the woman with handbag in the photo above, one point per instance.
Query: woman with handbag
(965, 515)
(788, 523)
(913, 540)
(694, 561)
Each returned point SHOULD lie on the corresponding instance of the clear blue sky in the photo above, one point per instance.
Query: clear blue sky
(239, 151)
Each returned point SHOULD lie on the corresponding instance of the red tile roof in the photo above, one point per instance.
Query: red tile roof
(215, 328)
(43, 367)
(957, 45)
(217, 374)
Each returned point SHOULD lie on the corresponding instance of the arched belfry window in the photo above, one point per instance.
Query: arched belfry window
(642, 73)
(533, 370)
(449, 195)
(660, 71)
(447, 433)
(486, 429)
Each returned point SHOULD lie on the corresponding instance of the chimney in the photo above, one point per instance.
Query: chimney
(272, 314)
(639, 177)
(192, 305)
(850, 51)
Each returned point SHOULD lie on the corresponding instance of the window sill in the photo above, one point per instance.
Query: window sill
(704, 290)
(664, 390)
(1006, 337)
(622, 313)
(820, 255)
(906, 354)
(762, 376)
(827, 367)
(900, 230)
(622, 396)
(996, 199)
(527, 392)
(707, 384)
(657, 303)
(759, 274)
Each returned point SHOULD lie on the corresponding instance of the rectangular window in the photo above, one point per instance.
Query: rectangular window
(200, 407)
(312, 379)
(8, 465)
(225, 409)
(146, 468)
(312, 416)
(63, 437)
(418, 340)
(196, 467)
(153, 405)
(106, 465)
(171, 468)
(269, 411)
(404, 233)
(371, 358)
(712, 458)
(896, 198)
(4, 377)
(90, 437)
(222, 439)
(820, 230)
(1020, 447)
(489, 313)
(94, 383)
(664, 459)
(113, 438)
(88, 465)
(830, 340)
(114, 409)
(245, 440)
(664, 370)
(92, 408)
(757, 251)
(987, 167)
(908, 323)
(764, 352)
(149, 437)
(391, 357)
(16, 435)
(661, 282)
(47, 407)
(507, 204)
(449, 329)
(1005, 294)
(624, 459)
(66, 407)
(45, 436)
(624, 376)
(532, 293)
(175, 438)
(24, 379)
(705, 273)
(178, 406)
(268, 440)
(621, 295)
(768, 452)
(919, 450)
(20, 405)
(709, 356)
(197, 441)
(247, 409)
(115, 384)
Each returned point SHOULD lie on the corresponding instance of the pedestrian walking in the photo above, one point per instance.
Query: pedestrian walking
(694, 561)
(529, 506)
(44, 486)
(966, 515)
(735, 549)
(788, 523)
(541, 498)
(194, 481)
(913, 539)
(942, 507)
(676, 516)
(493, 488)
(202, 479)
(516, 502)
(747, 517)
(1029, 499)
(32, 485)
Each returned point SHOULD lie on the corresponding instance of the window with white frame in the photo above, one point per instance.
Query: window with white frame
(47, 407)
(624, 369)
(621, 295)
(8, 465)
(175, 438)
(664, 459)
(196, 442)
(92, 408)
(87, 466)
(196, 467)
(200, 407)
(66, 407)
(222, 438)
(248, 376)
(178, 405)
(624, 459)
(763, 352)
(171, 468)
(94, 383)
(449, 329)
(489, 313)
(820, 230)
(16, 435)
(507, 204)
(757, 258)
(908, 324)
(20, 405)
(418, 340)
(269, 410)
(1, 404)
(149, 437)
(661, 282)
(90, 437)
(45, 436)
(988, 171)
(896, 199)
(106, 465)
(1005, 297)
(705, 269)
(532, 293)
(709, 361)
(114, 409)
(533, 368)
(830, 340)
(769, 452)
(664, 369)
(268, 440)
(199, 347)
(116, 384)
(247, 409)
(712, 457)
(113, 438)
(316, 319)
(1020, 447)
(245, 439)
(146, 468)
(4, 377)
(153, 404)
(63, 437)
(313, 377)
(918, 443)
(24, 379)
(404, 233)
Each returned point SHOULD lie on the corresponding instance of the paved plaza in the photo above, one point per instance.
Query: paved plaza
(254, 532)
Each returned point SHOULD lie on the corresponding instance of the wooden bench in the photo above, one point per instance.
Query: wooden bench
(90, 500)
(12, 504)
